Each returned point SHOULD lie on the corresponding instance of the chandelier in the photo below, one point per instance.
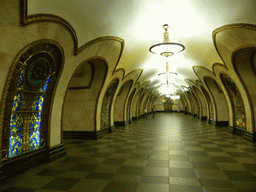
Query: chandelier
(166, 48)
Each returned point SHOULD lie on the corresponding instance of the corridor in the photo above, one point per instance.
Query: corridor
(171, 152)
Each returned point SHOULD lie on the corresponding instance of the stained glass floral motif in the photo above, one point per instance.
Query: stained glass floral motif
(105, 121)
(16, 123)
(15, 145)
(25, 121)
(34, 142)
(35, 121)
(18, 102)
(237, 102)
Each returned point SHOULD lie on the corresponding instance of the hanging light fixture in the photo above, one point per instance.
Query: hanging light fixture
(166, 48)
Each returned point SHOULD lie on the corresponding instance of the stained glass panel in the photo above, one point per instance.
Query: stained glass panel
(35, 121)
(16, 123)
(34, 141)
(38, 102)
(15, 145)
(236, 99)
(18, 102)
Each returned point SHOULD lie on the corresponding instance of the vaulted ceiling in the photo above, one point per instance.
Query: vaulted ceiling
(139, 23)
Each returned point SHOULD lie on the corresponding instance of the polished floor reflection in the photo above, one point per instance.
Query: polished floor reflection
(171, 152)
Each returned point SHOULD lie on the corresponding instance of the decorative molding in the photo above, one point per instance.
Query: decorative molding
(120, 123)
(242, 132)
(50, 47)
(241, 80)
(56, 152)
(89, 135)
(26, 19)
(16, 165)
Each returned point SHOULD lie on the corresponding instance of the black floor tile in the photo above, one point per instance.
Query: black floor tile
(240, 176)
(214, 183)
(224, 160)
(250, 167)
(133, 170)
(99, 176)
(197, 153)
(152, 179)
(73, 159)
(213, 149)
(113, 186)
(205, 165)
(84, 167)
(18, 189)
(114, 161)
(61, 183)
(139, 156)
(239, 154)
(185, 188)
(48, 172)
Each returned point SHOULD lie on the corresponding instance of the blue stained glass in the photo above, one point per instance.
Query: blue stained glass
(34, 140)
(35, 122)
(18, 102)
(16, 123)
(21, 84)
(38, 103)
(15, 145)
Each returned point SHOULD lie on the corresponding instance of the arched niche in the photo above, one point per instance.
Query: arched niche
(187, 103)
(27, 104)
(220, 103)
(196, 108)
(128, 108)
(134, 110)
(79, 108)
(244, 62)
(211, 108)
(203, 105)
(239, 117)
(106, 106)
(119, 108)
(140, 107)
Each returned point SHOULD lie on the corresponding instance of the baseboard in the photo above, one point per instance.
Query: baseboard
(134, 118)
(120, 123)
(3, 178)
(16, 165)
(203, 118)
(244, 133)
(87, 135)
(221, 123)
(56, 152)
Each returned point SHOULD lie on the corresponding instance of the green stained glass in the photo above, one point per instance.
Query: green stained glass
(34, 141)
(15, 145)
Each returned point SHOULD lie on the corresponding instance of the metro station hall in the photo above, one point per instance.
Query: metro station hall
(136, 96)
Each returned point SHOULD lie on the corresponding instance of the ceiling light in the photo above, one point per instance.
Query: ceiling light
(166, 48)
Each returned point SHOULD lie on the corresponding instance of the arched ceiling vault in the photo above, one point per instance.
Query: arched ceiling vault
(139, 24)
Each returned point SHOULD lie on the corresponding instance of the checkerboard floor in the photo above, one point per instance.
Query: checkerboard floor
(171, 152)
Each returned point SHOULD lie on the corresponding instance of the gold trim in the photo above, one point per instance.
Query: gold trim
(14, 70)
(230, 26)
(232, 104)
(26, 19)
(241, 48)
